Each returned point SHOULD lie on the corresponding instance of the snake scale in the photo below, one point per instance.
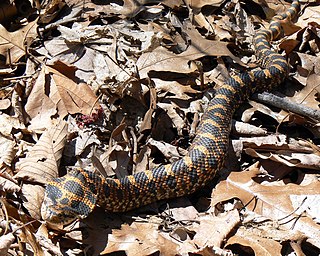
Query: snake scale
(76, 194)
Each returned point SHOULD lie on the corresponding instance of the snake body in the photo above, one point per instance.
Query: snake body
(76, 194)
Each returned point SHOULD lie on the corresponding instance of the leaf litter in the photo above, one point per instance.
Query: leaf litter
(119, 88)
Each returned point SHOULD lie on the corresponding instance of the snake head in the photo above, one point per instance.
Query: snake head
(70, 197)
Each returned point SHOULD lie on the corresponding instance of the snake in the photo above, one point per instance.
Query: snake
(75, 195)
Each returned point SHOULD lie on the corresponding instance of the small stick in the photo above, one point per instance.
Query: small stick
(286, 104)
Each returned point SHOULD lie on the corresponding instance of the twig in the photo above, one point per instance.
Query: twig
(286, 104)
(13, 79)
(135, 148)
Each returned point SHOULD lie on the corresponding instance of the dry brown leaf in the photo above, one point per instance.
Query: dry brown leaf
(244, 25)
(290, 159)
(279, 142)
(99, 52)
(70, 97)
(309, 94)
(183, 212)
(209, 251)
(50, 9)
(272, 7)
(42, 162)
(260, 245)
(248, 113)
(27, 236)
(213, 231)
(7, 184)
(146, 123)
(48, 245)
(131, 8)
(203, 47)
(173, 112)
(140, 239)
(85, 139)
(7, 150)
(173, 87)
(143, 158)
(278, 148)
(264, 238)
(68, 49)
(63, 95)
(7, 123)
(196, 5)
(13, 44)
(5, 243)
(224, 28)
(169, 151)
(274, 202)
(5, 104)
(32, 197)
(161, 59)
(40, 107)
(118, 160)
(115, 160)
(309, 64)
(309, 15)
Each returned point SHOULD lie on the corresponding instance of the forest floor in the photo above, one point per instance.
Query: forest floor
(118, 87)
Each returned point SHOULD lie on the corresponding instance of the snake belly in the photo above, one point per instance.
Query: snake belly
(76, 194)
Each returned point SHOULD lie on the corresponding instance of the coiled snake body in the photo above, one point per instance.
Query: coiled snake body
(76, 194)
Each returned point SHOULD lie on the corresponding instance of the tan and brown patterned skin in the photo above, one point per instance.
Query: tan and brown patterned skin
(76, 194)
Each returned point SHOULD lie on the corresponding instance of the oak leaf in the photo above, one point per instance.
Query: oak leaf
(140, 239)
(13, 44)
(54, 93)
(274, 202)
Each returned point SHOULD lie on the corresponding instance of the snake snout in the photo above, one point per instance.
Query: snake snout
(52, 212)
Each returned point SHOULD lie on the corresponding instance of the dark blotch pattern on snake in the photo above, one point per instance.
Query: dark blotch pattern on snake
(76, 194)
